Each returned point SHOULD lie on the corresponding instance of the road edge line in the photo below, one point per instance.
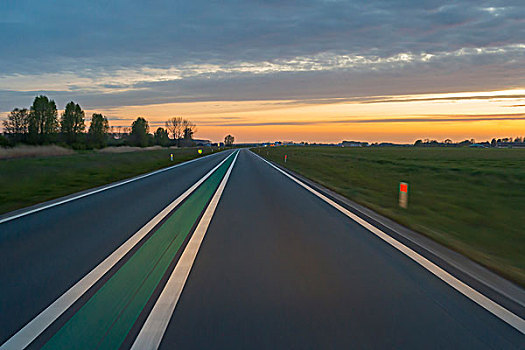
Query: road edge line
(471, 293)
(45, 318)
(464, 268)
(152, 332)
(97, 190)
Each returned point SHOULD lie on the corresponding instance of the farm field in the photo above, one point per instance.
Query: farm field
(471, 200)
(28, 181)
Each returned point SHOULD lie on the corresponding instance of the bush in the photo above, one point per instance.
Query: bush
(4, 142)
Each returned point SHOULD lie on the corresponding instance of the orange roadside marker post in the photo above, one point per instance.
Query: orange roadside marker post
(285, 157)
(403, 195)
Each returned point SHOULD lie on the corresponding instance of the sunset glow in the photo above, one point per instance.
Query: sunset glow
(458, 116)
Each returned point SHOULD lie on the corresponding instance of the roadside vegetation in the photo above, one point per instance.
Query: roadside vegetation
(23, 151)
(471, 200)
(28, 181)
(44, 155)
(40, 124)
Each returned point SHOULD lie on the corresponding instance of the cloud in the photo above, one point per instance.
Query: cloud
(448, 98)
(437, 118)
(111, 53)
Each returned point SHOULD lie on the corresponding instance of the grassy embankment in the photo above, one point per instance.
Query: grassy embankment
(471, 200)
(27, 181)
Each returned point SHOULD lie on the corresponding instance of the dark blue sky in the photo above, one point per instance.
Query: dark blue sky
(118, 52)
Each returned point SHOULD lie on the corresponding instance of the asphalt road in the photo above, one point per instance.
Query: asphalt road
(278, 268)
(45, 253)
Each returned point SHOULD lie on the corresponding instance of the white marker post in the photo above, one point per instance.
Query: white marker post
(403, 195)
(171, 157)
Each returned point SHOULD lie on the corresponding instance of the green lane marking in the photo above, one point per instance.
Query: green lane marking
(107, 317)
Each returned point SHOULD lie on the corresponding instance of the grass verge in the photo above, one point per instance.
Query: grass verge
(471, 200)
(28, 181)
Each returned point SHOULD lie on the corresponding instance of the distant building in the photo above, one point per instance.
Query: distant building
(510, 144)
(354, 144)
(202, 143)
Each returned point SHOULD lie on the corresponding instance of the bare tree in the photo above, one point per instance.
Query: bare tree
(181, 129)
(175, 127)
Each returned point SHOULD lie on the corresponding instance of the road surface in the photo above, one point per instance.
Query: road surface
(227, 252)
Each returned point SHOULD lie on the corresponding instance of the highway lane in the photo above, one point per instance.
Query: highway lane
(279, 268)
(45, 253)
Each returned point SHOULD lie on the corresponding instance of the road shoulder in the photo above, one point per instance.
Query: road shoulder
(495, 287)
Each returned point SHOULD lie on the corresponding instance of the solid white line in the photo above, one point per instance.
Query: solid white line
(480, 299)
(156, 324)
(43, 320)
(104, 188)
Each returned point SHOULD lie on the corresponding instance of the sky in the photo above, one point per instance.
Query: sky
(312, 70)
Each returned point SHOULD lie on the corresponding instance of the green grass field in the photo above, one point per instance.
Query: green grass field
(27, 181)
(471, 200)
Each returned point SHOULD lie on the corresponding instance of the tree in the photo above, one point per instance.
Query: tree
(4, 142)
(161, 137)
(175, 127)
(493, 143)
(448, 142)
(139, 132)
(188, 129)
(43, 120)
(188, 134)
(16, 124)
(418, 143)
(181, 129)
(98, 130)
(228, 140)
(72, 123)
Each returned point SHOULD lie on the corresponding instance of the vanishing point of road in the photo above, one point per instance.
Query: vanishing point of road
(229, 251)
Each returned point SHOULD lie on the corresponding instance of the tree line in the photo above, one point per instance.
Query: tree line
(448, 142)
(40, 124)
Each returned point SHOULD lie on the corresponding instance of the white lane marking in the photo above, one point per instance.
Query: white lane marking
(480, 299)
(156, 324)
(107, 187)
(36, 326)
